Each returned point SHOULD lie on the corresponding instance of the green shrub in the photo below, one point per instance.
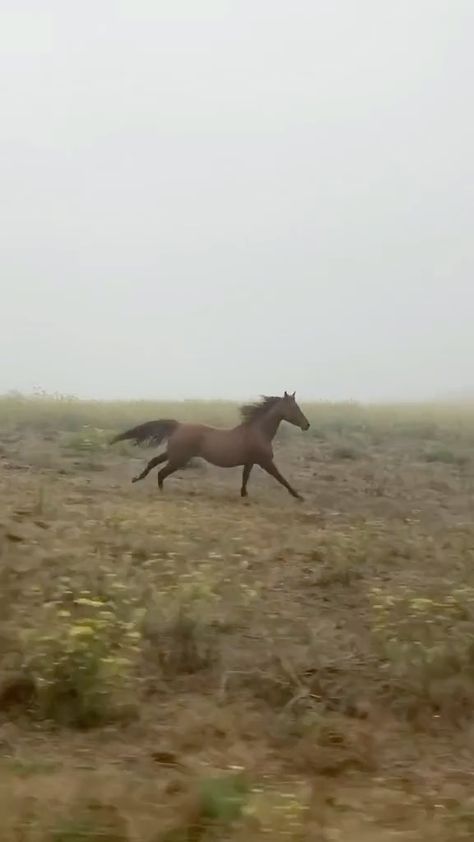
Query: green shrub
(81, 660)
(445, 455)
(426, 642)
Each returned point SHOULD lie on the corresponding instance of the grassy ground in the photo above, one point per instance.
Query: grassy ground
(193, 667)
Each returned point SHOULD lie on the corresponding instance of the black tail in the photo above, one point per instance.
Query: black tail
(150, 433)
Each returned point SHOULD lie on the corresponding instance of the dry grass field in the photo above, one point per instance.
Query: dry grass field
(190, 666)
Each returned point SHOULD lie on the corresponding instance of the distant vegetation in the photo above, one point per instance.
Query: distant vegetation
(413, 420)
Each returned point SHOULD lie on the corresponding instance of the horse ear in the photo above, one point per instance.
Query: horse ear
(294, 395)
(286, 394)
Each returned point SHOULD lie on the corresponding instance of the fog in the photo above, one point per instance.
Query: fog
(220, 199)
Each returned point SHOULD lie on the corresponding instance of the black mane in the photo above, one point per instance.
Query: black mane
(251, 411)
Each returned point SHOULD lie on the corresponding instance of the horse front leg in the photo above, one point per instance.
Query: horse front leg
(270, 467)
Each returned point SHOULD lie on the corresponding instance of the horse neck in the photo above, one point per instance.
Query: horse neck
(270, 422)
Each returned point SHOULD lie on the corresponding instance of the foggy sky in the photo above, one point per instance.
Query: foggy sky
(207, 198)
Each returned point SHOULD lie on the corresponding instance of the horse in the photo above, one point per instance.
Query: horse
(247, 444)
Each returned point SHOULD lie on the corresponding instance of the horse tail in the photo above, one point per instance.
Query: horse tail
(150, 433)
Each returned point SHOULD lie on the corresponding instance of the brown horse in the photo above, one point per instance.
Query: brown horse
(248, 444)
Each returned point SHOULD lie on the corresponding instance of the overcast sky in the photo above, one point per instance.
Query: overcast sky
(221, 198)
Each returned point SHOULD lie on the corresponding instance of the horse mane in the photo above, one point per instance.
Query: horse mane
(251, 411)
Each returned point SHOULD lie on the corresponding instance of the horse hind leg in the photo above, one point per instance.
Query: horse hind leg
(168, 469)
(245, 478)
(157, 460)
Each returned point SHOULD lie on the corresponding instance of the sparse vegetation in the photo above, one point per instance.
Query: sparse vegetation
(446, 455)
(345, 451)
(191, 667)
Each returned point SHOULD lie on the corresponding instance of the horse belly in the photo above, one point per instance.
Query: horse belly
(221, 450)
(224, 461)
